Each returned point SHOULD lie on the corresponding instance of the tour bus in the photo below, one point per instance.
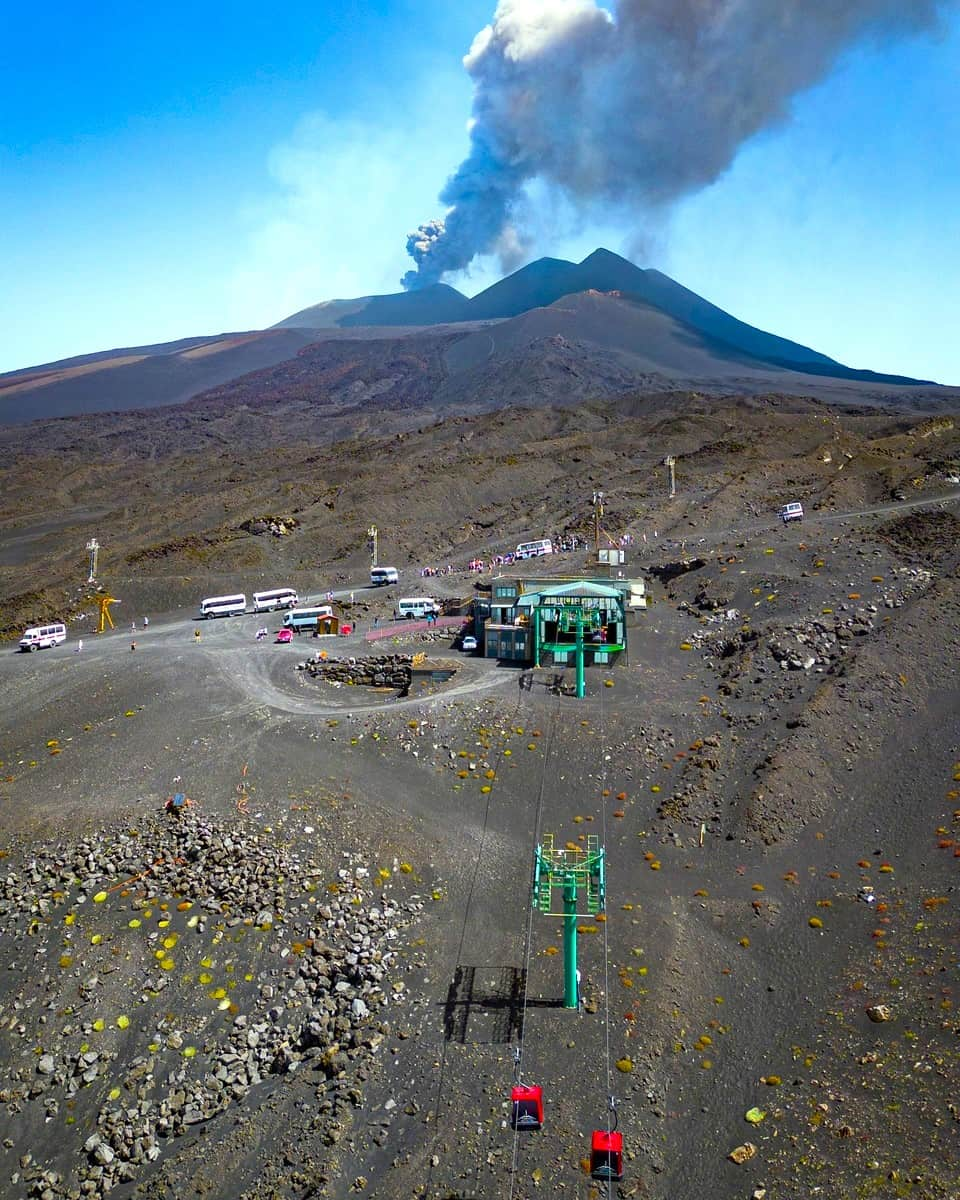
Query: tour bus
(277, 598)
(42, 637)
(223, 606)
(306, 618)
(381, 576)
(534, 549)
(416, 606)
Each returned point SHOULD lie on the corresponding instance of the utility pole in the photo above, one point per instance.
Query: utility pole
(373, 534)
(670, 463)
(94, 547)
(570, 870)
(597, 514)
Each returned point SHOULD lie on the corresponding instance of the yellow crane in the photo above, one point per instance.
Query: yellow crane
(105, 618)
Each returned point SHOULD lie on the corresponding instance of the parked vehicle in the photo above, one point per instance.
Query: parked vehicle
(381, 576)
(469, 644)
(223, 606)
(791, 512)
(534, 549)
(306, 618)
(285, 635)
(42, 637)
(277, 598)
(416, 607)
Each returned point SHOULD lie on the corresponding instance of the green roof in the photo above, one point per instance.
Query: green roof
(585, 588)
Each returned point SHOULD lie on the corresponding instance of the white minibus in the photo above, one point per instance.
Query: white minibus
(534, 549)
(278, 598)
(306, 618)
(223, 606)
(381, 576)
(42, 637)
(416, 606)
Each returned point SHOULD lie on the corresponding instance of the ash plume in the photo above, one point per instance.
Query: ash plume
(639, 106)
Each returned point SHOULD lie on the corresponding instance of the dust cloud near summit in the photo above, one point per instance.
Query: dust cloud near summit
(638, 106)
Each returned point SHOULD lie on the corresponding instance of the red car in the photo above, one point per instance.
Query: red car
(285, 635)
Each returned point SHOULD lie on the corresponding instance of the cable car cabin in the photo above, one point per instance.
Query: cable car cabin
(526, 1107)
(606, 1155)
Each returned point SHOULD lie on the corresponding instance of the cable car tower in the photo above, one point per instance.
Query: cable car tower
(574, 871)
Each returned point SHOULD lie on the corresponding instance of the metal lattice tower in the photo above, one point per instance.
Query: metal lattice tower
(574, 870)
(373, 535)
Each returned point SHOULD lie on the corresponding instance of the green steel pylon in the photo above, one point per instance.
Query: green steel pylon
(573, 870)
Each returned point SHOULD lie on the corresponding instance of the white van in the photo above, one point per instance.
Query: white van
(223, 606)
(534, 549)
(307, 618)
(42, 637)
(382, 576)
(276, 598)
(416, 607)
(791, 512)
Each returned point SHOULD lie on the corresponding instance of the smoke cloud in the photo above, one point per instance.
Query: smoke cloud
(637, 107)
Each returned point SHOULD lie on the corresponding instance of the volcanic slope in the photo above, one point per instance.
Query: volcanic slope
(667, 336)
(313, 981)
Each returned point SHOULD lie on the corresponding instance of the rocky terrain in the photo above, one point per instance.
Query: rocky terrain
(312, 979)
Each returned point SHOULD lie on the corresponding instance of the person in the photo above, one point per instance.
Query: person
(196, 635)
(79, 645)
(351, 597)
(376, 622)
(133, 627)
(133, 645)
(146, 622)
(579, 992)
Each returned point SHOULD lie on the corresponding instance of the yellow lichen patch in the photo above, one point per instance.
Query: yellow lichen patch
(625, 1065)
(184, 905)
(815, 923)
(123, 1022)
(757, 887)
(486, 788)
(551, 950)
(69, 918)
(686, 646)
(99, 1025)
(171, 941)
(66, 960)
(96, 939)
(167, 964)
(99, 897)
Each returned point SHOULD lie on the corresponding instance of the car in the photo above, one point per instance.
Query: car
(791, 512)
(285, 635)
(469, 644)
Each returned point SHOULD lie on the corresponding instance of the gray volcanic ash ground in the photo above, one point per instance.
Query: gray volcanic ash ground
(312, 982)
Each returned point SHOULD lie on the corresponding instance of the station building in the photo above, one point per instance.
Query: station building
(538, 621)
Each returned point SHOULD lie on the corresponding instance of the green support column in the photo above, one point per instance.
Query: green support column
(572, 871)
(581, 680)
(536, 636)
(570, 941)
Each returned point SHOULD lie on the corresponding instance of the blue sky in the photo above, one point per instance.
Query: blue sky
(187, 169)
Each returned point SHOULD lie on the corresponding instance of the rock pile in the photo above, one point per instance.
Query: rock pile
(156, 978)
(386, 670)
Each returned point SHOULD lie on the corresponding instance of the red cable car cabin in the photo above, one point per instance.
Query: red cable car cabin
(526, 1107)
(606, 1155)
